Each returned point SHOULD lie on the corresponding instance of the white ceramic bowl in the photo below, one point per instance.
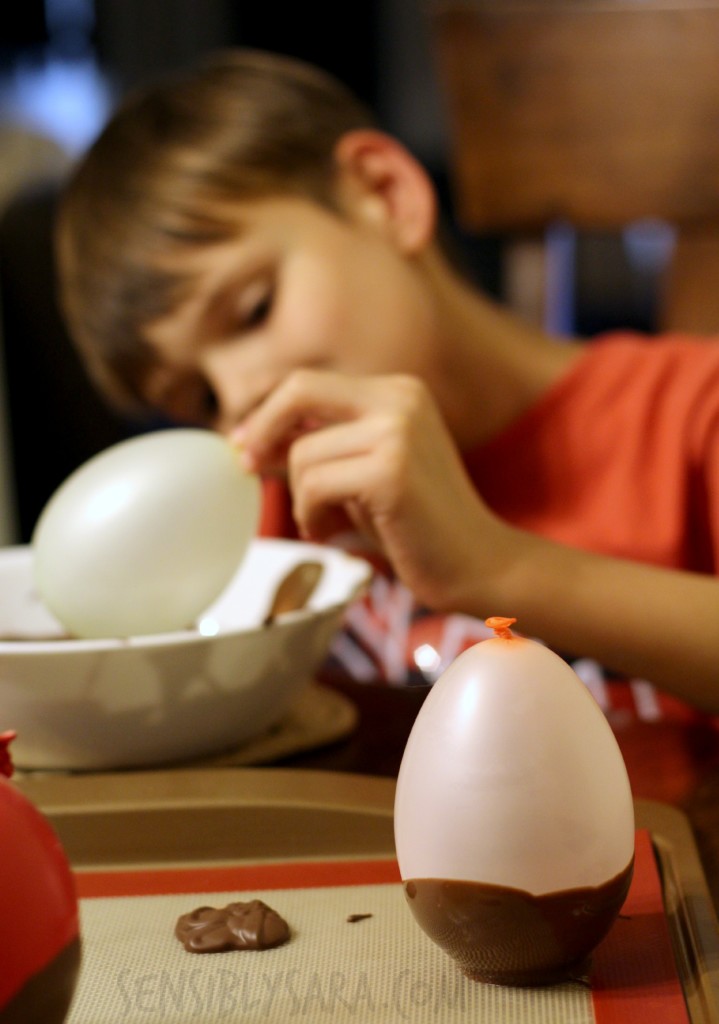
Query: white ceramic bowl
(139, 701)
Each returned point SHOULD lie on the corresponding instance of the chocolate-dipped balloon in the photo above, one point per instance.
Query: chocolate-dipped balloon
(40, 944)
(514, 821)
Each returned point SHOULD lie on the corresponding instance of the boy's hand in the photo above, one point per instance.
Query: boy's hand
(374, 453)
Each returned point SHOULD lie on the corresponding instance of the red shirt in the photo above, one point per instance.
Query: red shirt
(621, 457)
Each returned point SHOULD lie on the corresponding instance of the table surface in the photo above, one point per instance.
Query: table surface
(676, 762)
(340, 798)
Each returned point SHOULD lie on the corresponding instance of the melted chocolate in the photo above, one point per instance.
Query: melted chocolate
(250, 925)
(47, 995)
(510, 937)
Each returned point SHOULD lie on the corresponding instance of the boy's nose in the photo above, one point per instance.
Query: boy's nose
(237, 392)
(233, 406)
(241, 378)
(230, 383)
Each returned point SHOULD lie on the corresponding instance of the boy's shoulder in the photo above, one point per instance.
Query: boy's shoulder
(625, 368)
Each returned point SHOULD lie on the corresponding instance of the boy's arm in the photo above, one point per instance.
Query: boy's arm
(642, 621)
(375, 454)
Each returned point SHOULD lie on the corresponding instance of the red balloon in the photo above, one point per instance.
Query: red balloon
(40, 943)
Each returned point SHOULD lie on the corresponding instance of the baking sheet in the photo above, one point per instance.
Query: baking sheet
(245, 816)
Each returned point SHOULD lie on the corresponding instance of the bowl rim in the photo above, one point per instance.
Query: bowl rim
(63, 645)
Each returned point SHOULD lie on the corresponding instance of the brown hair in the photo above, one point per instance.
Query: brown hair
(237, 125)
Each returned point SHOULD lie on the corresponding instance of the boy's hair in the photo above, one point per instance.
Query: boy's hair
(238, 125)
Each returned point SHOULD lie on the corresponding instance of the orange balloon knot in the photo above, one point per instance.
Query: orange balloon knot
(500, 624)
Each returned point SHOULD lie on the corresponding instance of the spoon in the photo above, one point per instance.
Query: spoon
(294, 590)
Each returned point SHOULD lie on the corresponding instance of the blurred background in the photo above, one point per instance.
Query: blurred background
(65, 63)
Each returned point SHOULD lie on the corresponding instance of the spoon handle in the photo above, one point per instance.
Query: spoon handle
(294, 590)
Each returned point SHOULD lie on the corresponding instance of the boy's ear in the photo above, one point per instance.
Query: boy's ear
(382, 184)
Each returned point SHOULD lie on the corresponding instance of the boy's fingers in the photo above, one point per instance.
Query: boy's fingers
(304, 402)
(346, 486)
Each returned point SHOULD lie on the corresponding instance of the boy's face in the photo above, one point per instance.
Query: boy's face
(299, 286)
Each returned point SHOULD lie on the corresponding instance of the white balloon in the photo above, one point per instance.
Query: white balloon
(146, 534)
(516, 767)
(514, 820)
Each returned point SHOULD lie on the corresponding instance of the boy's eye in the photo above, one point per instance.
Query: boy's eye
(260, 311)
(255, 305)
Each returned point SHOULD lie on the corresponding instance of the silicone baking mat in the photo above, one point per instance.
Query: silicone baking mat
(380, 968)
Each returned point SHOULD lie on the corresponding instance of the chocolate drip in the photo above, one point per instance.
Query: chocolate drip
(47, 995)
(251, 925)
(510, 937)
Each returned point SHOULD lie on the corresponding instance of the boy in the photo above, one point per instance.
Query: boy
(242, 248)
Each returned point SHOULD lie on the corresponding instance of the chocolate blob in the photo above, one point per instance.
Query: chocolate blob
(509, 937)
(251, 925)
